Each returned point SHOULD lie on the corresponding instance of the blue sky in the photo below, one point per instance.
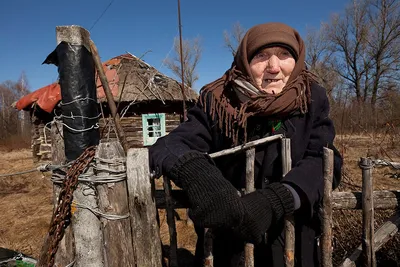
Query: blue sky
(27, 29)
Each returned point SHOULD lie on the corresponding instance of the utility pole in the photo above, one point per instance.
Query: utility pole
(182, 65)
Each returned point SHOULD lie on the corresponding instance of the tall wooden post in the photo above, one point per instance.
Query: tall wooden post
(326, 242)
(289, 220)
(368, 212)
(113, 199)
(142, 206)
(250, 158)
(80, 115)
(173, 241)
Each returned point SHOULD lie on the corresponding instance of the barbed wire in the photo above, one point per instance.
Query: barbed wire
(52, 167)
(42, 168)
(76, 100)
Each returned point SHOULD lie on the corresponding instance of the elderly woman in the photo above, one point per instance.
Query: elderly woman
(266, 91)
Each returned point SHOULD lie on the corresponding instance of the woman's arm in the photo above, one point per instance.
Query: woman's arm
(306, 177)
(193, 135)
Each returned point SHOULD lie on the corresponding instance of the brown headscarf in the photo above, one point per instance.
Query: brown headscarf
(235, 97)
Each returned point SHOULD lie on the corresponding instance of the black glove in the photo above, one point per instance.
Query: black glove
(215, 202)
(262, 208)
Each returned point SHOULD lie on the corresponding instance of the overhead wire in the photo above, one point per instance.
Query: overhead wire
(101, 15)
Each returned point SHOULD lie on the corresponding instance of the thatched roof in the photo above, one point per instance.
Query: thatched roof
(138, 81)
(128, 76)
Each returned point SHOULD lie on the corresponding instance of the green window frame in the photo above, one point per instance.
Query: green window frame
(153, 127)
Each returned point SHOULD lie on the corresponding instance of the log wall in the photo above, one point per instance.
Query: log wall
(132, 127)
(40, 143)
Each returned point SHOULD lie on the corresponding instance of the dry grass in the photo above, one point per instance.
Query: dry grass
(26, 203)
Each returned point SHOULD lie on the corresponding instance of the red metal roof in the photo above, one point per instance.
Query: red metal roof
(47, 97)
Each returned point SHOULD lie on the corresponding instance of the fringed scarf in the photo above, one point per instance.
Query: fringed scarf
(235, 97)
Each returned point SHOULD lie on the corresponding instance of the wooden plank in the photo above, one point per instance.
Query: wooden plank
(340, 200)
(384, 199)
(142, 207)
(382, 235)
(289, 220)
(326, 240)
(113, 199)
(368, 213)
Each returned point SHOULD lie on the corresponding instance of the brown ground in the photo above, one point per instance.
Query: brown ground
(26, 202)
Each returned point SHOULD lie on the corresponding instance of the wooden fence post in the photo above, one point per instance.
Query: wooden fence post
(142, 206)
(368, 212)
(85, 224)
(65, 253)
(250, 158)
(326, 240)
(173, 243)
(113, 199)
(289, 220)
(382, 235)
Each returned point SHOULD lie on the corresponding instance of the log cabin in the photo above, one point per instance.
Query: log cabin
(149, 103)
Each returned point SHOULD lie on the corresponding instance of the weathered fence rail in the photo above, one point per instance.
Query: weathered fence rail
(385, 199)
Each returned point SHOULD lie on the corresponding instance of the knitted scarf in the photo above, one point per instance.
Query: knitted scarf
(234, 97)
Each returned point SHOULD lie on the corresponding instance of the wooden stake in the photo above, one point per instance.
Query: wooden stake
(289, 220)
(326, 240)
(250, 158)
(368, 213)
(109, 96)
(173, 243)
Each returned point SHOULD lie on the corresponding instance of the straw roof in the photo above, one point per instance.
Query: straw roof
(138, 81)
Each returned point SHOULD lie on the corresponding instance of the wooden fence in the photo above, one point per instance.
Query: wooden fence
(124, 211)
(367, 200)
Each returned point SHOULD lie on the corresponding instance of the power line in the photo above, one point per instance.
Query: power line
(102, 14)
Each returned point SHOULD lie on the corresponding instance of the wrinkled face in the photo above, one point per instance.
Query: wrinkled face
(271, 69)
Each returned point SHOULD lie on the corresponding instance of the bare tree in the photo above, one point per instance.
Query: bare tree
(12, 123)
(191, 51)
(317, 60)
(347, 36)
(232, 39)
(383, 44)
(365, 46)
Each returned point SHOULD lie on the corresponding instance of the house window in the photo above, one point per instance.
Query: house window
(153, 127)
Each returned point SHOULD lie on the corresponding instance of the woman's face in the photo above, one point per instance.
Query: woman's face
(271, 69)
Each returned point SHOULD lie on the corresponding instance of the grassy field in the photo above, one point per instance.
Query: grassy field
(26, 202)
